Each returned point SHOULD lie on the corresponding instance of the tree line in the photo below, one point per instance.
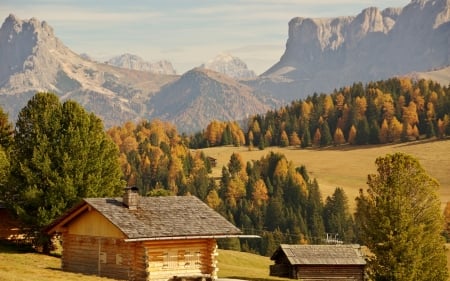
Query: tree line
(394, 110)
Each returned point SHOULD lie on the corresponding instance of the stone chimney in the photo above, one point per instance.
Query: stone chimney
(131, 197)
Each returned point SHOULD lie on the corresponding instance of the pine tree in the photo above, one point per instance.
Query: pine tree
(61, 154)
(6, 130)
(399, 219)
(337, 217)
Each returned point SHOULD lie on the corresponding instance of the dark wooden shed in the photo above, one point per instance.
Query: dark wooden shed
(319, 262)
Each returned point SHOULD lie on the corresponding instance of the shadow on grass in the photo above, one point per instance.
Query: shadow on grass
(7, 246)
(256, 279)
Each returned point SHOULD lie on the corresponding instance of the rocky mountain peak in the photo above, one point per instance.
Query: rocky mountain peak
(26, 46)
(135, 62)
(230, 65)
(322, 54)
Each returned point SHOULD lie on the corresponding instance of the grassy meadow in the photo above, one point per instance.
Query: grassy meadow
(18, 265)
(348, 166)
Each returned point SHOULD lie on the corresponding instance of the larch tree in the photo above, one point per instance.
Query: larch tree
(400, 221)
(60, 155)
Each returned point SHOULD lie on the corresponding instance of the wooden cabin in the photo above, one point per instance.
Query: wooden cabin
(142, 238)
(319, 262)
(10, 227)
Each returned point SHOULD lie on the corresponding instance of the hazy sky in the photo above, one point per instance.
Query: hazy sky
(185, 32)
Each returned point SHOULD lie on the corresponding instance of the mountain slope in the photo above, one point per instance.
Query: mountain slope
(324, 54)
(33, 60)
(200, 96)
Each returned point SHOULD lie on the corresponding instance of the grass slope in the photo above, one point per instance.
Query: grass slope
(16, 265)
(348, 166)
(20, 265)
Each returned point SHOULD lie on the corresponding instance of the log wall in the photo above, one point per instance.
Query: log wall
(108, 257)
(334, 273)
(155, 260)
(181, 258)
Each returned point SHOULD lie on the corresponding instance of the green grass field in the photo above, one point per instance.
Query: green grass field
(16, 265)
(19, 265)
(348, 166)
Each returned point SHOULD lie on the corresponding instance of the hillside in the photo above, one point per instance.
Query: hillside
(348, 166)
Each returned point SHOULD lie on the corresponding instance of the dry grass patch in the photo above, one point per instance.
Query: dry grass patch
(348, 166)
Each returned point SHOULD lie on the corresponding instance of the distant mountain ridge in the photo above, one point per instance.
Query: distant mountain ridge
(324, 54)
(321, 55)
(230, 65)
(137, 63)
(33, 59)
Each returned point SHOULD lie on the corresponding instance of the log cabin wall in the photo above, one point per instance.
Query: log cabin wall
(106, 257)
(325, 273)
(167, 259)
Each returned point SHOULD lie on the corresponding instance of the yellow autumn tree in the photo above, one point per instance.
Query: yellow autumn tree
(338, 137)
(213, 200)
(360, 108)
(410, 115)
(352, 135)
(294, 140)
(395, 130)
(284, 140)
(384, 132)
(260, 194)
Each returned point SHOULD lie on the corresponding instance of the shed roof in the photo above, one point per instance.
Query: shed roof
(155, 218)
(320, 254)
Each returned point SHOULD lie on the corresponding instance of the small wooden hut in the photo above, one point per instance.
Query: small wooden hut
(319, 262)
(142, 238)
(10, 227)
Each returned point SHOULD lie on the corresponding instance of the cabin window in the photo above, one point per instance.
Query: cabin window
(118, 259)
(170, 260)
(102, 257)
(192, 259)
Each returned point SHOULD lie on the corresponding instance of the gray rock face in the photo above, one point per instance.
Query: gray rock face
(137, 63)
(324, 54)
(33, 60)
(231, 66)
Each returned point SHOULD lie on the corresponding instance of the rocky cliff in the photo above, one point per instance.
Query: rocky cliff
(324, 54)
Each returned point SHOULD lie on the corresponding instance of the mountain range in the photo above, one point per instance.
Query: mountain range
(321, 55)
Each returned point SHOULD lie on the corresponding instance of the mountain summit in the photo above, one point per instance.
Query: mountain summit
(33, 59)
(137, 63)
(230, 65)
(324, 54)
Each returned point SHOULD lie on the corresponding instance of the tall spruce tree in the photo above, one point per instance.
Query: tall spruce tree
(400, 221)
(336, 216)
(61, 154)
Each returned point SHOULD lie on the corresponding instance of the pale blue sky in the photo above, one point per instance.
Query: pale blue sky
(185, 32)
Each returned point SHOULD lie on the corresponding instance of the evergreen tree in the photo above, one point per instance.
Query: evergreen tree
(362, 132)
(61, 155)
(6, 130)
(325, 134)
(399, 219)
(336, 216)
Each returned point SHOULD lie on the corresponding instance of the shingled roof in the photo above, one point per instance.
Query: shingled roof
(320, 254)
(156, 218)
